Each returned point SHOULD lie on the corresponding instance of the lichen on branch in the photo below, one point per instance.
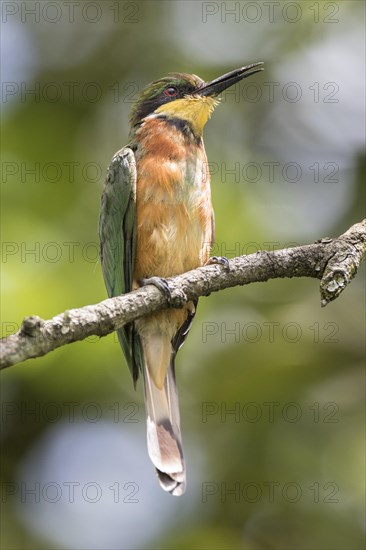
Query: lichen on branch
(333, 261)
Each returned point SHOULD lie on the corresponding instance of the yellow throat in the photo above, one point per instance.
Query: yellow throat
(194, 109)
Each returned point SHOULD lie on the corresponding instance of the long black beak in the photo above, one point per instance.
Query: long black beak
(215, 87)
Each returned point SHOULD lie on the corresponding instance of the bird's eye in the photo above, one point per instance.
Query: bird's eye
(171, 91)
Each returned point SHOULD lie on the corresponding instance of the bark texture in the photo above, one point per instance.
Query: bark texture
(333, 261)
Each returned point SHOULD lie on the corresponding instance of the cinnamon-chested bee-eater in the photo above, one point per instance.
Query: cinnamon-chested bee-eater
(157, 221)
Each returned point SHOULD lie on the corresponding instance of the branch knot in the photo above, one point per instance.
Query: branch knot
(334, 261)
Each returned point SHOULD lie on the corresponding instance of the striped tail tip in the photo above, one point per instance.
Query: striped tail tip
(175, 484)
(165, 453)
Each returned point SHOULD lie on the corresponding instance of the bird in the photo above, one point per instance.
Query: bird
(157, 221)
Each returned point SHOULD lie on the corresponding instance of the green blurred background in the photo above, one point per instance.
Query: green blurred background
(271, 386)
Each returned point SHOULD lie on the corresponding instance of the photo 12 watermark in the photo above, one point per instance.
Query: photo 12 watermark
(52, 172)
(270, 412)
(71, 12)
(273, 172)
(253, 332)
(268, 171)
(127, 92)
(51, 252)
(290, 492)
(70, 492)
(270, 12)
(69, 412)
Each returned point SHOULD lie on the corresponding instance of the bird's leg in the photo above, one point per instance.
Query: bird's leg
(160, 283)
(221, 260)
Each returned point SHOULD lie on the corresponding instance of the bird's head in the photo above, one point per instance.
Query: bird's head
(186, 97)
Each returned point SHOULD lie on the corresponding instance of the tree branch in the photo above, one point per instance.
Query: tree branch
(333, 261)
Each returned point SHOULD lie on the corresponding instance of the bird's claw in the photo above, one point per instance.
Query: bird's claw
(160, 283)
(220, 260)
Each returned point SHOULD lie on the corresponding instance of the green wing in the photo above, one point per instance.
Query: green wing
(117, 234)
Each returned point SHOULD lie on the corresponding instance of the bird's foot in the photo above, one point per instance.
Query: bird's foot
(160, 283)
(220, 260)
